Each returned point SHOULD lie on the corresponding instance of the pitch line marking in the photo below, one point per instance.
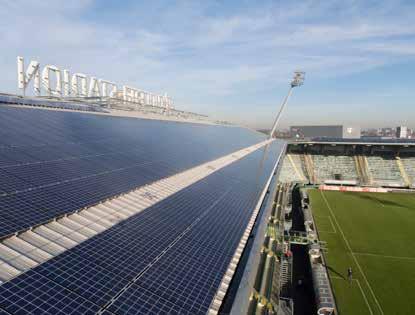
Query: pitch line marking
(361, 291)
(351, 252)
(331, 223)
(385, 256)
(364, 296)
(327, 232)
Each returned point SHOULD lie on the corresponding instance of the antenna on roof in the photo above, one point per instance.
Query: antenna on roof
(297, 80)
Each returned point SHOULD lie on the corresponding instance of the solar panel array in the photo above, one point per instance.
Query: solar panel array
(17, 100)
(52, 163)
(169, 258)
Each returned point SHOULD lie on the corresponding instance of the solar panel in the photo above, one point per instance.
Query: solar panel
(128, 247)
(32, 293)
(186, 278)
(65, 161)
(169, 258)
(12, 156)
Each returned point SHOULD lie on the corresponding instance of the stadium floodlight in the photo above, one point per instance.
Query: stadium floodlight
(298, 80)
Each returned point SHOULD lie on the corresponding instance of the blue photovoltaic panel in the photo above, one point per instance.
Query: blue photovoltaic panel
(32, 293)
(189, 274)
(126, 249)
(186, 278)
(58, 162)
(168, 259)
(17, 100)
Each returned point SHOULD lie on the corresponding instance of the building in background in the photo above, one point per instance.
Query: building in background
(387, 132)
(402, 132)
(329, 131)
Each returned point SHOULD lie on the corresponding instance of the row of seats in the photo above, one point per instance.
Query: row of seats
(292, 169)
(408, 162)
(326, 167)
(383, 169)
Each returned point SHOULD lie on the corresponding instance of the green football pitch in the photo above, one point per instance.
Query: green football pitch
(374, 234)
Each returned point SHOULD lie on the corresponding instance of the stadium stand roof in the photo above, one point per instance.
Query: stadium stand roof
(366, 141)
(114, 215)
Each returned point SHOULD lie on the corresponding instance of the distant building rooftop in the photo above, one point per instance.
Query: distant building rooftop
(325, 131)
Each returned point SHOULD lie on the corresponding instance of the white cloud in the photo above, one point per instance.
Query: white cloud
(233, 56)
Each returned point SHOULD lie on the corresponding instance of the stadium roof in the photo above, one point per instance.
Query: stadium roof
(112, 215)
(364, 141)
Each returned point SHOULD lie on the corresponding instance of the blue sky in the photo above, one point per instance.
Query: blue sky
(231, 59)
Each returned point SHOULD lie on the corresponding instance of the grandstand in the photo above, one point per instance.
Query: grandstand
(361, 216)
(292, 169)
(383, 169)
(332, 166)
(115, 215)
(367, 164)
(407, 160)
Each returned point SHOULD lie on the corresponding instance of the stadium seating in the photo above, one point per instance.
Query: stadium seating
(381, 168)
(287, 173)
(327, 166)
(408, 161)
(384, 170)
(292, 169)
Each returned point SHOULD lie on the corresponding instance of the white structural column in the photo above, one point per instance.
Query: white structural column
(28, 249)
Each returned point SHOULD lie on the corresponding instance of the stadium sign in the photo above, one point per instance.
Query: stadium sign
(59, 83)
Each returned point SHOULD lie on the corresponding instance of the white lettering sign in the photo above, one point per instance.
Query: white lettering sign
(77, 85)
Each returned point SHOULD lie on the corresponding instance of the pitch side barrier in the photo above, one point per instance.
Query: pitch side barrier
(353, 188)
(366, 189)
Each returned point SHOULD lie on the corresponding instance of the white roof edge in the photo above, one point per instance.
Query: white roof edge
(224, 285)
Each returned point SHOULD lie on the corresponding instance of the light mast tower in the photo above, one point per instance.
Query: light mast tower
(298, 80)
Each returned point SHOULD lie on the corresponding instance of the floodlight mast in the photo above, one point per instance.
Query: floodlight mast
(298, 80)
